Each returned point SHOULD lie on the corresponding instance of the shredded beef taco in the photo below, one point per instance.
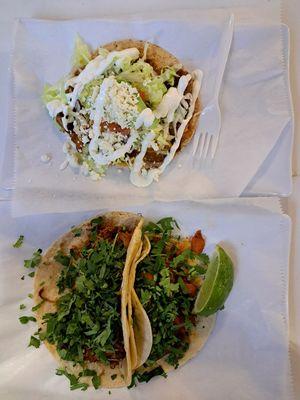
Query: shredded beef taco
(81, 298)
(129, 104)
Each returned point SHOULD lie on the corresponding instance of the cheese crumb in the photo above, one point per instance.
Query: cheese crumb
(64, 165)
(45, 158)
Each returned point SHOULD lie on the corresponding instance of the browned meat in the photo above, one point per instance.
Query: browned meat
(74, 137)
(125, 237)
(114, 127)
(197, 242)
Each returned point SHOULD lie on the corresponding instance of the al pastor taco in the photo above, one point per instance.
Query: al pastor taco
(180, 290)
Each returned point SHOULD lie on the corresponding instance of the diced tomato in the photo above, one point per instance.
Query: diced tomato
(148, 276)
(191, 289)
(178, 320)
(197, 242)
(183, 245)
(143, 95)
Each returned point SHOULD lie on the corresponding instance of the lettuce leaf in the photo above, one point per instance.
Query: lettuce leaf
(81, 54)
(168, 75)
(54, 92)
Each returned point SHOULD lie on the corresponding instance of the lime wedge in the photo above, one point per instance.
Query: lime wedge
(217, 284)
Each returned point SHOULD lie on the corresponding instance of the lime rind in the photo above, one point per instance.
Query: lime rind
(217, 285)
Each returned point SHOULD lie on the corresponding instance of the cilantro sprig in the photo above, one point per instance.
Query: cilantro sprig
(34, 260)
(19, 242)
(25, 319)
(146, 376)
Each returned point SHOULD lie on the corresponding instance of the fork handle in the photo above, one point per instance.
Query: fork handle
(225, 46)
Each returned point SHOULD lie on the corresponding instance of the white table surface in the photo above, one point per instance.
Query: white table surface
(11, 9)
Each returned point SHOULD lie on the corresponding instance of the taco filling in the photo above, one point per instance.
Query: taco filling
(129, 104)
(167, 283)
(79, 287)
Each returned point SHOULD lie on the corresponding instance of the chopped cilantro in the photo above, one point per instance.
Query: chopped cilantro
(22, 277)
(81, 386)
(87, 319)
(165, 282)
(146, 376)
(34, 260)
(62, 259)
(25, 319)
(19, 242)
(22, 306)
(77, 232)
(72, 378)
(31, 274)
(30, 295)
(145, 296)
(169, 297)
(74, 381)
(88, 372)
(97, 221)
(96, 381)
(35, 342)
(36, 307)
(113, 377)
(165, 225)
(182, 286)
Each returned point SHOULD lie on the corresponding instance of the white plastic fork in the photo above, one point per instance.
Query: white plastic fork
(209, 127)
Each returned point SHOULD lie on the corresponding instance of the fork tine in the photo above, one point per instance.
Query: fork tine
(214, 145)
(201, 146)
(207, 146)
(195, 144)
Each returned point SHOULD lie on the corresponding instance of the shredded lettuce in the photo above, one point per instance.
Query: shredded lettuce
(168, 75)
(154, 90)
(122, 64)
(82, 54)
(90, 166)
(54, 92)
(102, 52)
(141, 105)
(87, 92)
(142, 76)
(136, 73)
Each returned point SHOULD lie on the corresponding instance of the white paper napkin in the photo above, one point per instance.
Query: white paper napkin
(246, 356)
(254, 104)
